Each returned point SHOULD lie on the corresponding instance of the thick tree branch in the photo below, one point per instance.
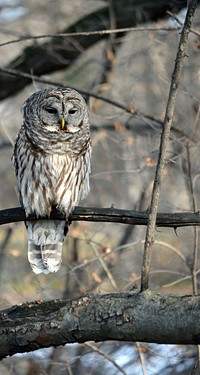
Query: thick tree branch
(125, 316)
(111, 215)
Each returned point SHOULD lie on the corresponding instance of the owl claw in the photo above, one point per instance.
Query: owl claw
(49, 212)
(68, 220)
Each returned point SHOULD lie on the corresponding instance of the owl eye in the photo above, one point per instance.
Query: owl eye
(51, 110)
(72, 111)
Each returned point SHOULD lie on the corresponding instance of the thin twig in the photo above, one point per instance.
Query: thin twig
(106, 356)
(196, 241)
(194, 368)
(47, 81)
(108, 52)
(141, 356)
(104, 266)
(172, 248)
(130, 228)
(104, 255)
(88, 33)
(3, 246)
(181, 53)
(178, 281)
(118, 105)
(181, 23)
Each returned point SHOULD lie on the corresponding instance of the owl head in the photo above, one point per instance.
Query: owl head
(56, 111)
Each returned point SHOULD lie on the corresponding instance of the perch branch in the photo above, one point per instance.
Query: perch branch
(110, 215)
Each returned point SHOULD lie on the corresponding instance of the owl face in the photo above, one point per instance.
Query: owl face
(56, 110)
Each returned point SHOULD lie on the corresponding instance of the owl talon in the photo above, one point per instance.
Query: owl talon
(68, 220)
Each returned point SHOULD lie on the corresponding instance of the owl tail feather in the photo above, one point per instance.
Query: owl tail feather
(45, 258)
(45, 245)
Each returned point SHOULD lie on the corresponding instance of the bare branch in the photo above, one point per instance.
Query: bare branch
(36, 78)
(194, 264)
(181, 53)
(105, 267)
(125, 316)
(110, 215)
(193, 268)
(118, 105)
(141, 357)
(173, 16)
(89, 33)
(106, 356)
(60, 52)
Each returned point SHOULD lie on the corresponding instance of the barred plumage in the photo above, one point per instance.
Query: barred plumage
(52, 164)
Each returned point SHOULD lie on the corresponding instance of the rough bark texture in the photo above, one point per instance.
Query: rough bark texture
(126, 316)
(60, 53)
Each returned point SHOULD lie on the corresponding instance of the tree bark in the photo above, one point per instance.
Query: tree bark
(112, 215)
(59, 53)
(125, 316)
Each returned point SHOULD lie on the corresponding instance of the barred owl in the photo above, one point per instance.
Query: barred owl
(52, 165)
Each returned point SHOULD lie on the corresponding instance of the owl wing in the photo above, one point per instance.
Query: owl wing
(15, 158)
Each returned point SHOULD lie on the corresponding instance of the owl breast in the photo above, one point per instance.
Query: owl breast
(47, 180)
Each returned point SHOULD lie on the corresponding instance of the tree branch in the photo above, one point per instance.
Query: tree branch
(110, 215)
(60, 52)
(95, 32)
(125, 316)
(181, 54)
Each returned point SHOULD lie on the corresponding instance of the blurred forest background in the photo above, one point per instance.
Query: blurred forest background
(133, 69)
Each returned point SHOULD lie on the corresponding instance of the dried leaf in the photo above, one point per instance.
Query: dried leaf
(118, 126)
(96, 277)
(106, 250)
(132, 108)
(14, 252)
(150, 162)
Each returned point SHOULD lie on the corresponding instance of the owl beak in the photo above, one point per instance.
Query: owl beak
(62, 122)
